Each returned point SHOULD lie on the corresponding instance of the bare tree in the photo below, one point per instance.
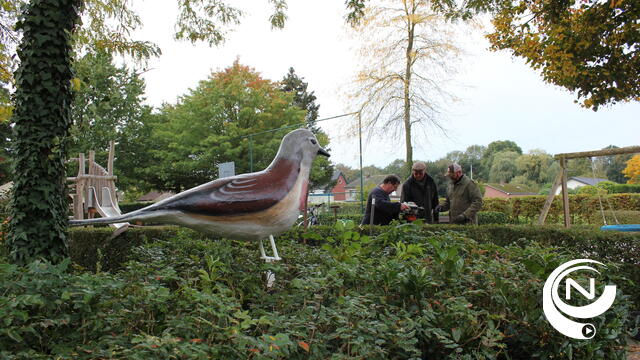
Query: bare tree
(409, 56)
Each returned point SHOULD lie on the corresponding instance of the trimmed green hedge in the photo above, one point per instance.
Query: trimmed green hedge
(410, 292)
(609, 245)
(90, 245)
(484, 217)
(583, 207)
(621, 188)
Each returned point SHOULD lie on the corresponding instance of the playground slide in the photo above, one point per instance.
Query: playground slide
(107, 210)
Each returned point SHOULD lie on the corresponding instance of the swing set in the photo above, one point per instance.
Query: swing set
(561, 180)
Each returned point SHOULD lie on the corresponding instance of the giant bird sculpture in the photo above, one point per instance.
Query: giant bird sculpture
(250, 206)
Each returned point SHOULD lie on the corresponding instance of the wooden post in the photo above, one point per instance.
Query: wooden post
(550, 197)
(78, 198)
(92, 162)
(92, 171)
(565, 193)
(305, 217)
(81, 168)
(112, 147)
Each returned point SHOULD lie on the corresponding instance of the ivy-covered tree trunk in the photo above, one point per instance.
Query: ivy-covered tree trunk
(42, 120)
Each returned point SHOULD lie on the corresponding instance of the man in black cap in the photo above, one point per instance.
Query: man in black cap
(422, 190)
(384, 210)
(464, 199)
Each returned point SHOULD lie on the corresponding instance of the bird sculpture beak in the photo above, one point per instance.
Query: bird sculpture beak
(323, 152)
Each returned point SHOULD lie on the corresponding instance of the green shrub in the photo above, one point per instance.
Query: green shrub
(492, 217)
(409, 292)
(614, 188)
(128, 207)
(590, 190)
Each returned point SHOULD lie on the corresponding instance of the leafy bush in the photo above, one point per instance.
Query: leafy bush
(128, 207)
(492, 217)
(407, 293)
(590, 190)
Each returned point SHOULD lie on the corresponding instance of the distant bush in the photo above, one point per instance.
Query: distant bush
(128, 207)
(625, 188)
(590, 190)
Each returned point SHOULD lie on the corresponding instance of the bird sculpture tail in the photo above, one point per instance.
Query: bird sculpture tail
(134, 215)
(99, 221)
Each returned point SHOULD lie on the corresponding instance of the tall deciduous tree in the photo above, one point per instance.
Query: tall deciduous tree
(534, 166)
(503, 167)
(494, 148)
(409, 55)
(590, 47)
(613, 165)
(397, 167)
(212, 123)
(108, 107)
(632, 171)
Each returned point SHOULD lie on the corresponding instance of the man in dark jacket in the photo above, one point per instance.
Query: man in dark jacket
(421, 189)
(384, 210)
(464, 199)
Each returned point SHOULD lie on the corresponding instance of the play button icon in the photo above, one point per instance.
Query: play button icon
(588, 331)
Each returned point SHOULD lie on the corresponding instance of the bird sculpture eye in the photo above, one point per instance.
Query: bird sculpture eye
(313, 141)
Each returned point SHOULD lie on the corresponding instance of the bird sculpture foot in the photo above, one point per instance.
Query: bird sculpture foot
(270, 277)
(275, 256)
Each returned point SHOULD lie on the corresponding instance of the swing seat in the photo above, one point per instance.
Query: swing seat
(626, 227)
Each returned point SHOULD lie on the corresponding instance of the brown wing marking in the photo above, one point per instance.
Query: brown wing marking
(237, 195)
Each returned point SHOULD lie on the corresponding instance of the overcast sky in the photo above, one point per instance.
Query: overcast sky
(503, 99)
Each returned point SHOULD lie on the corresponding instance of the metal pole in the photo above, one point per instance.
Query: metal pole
(565, 193)
(361, 175)
(250, 153)
(373, 211)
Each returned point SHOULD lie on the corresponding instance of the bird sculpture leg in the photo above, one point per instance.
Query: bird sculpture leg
(275, 256)
(270, 277)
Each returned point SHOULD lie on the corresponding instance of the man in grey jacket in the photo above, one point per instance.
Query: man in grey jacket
(464, 199)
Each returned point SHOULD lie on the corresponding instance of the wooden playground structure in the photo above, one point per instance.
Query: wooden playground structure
(93, 190)
(561, 179)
